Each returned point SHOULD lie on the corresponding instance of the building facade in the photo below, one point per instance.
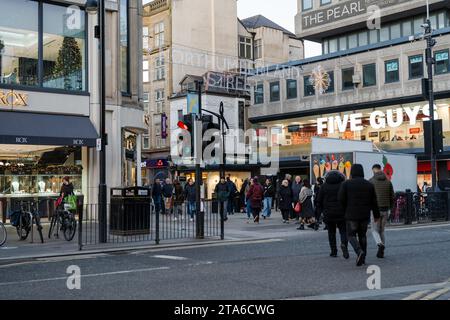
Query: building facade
(49, 99)
(366, 85)
(179, 41)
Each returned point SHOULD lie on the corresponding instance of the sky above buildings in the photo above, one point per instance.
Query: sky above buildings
(281, 12)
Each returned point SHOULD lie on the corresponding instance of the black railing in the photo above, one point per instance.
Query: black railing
(140, 223)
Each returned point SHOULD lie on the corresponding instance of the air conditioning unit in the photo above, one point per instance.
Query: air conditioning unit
(356, 79)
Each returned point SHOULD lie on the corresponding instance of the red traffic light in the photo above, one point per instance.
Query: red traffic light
(182, 125)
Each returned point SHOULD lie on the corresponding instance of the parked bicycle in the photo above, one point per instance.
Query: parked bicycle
(64, 220)
(25, 218)
(3, 234)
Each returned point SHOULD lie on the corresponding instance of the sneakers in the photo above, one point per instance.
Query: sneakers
(361, 259)
(380, 253)
(345, 253)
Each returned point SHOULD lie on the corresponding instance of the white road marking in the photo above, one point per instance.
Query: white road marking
(85, 276)
(170, 257)
(436, 294)
(417, 295)
(8, 248)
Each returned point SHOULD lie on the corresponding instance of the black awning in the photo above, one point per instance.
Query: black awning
(26, 128)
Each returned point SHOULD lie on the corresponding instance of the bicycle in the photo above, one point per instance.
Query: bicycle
(26, 220)
(3, 234)
(65, 221)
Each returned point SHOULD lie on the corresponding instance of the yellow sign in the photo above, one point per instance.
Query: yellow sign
(13, 99)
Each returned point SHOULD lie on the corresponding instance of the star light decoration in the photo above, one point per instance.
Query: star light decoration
(320, 79)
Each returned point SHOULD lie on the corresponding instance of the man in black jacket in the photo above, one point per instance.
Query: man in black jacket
(222, 191)
(191, 197)
(358, 198)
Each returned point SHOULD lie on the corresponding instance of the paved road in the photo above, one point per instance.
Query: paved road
(295, 266)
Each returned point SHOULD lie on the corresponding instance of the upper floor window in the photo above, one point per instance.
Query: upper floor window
(159, 101)
(159, 34)
(275, 91)
(330, 88)
(415, 67)
(145, 38)
(145, 142)
(258, 49)
(442, 62)
(307, 4)
(324, 2)
(146, 71)
(245, 48)
(308, 87)
(369, 75)
(291, 89)
(29, 40)
(259, 93)
(347, 78)
(391, 70)
(160, 68)
(124, 47)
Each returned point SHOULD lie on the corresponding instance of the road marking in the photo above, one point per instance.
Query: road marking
(436, 294)
(417, 295)
(170, 257)
(8, 248)
(85, 276)
(70, 258)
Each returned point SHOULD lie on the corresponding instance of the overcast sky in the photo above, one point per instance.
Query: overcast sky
(280, 11)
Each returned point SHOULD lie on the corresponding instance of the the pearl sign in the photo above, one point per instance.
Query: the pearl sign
(391, 118)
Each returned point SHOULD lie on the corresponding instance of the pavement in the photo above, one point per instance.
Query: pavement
(274, 261)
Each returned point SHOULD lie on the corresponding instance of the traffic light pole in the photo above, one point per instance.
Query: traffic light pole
(200, 223)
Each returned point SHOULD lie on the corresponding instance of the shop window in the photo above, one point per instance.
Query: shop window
(416, 67)
(309, 89)
(369, 75)
(56, 36)
(392, 71)
(275, 91)
(124, 47)
(442, 62)
(291, 88)
(347, 79)
(259, 93)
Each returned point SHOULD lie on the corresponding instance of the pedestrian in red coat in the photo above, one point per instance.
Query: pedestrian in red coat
(255, 195)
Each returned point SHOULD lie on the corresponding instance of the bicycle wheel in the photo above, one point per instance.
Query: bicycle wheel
(37, 219)
(52, 226)
(23, 229)
(3, 234)
(70, 228)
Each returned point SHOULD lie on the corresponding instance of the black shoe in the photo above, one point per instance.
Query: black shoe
(334, 253)
(361, 259)
(345, 251)
(380, 253)
(302, 227)
(312, 225)
(316, 227)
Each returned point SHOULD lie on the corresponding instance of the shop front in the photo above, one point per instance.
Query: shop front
(36, 152)
(394, 128)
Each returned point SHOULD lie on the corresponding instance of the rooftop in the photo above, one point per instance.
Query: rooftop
(259, 21)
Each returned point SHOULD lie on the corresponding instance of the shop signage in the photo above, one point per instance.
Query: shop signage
(164, 126)
(391, 118)
(342, 11)
(13, 99)
(157, 164)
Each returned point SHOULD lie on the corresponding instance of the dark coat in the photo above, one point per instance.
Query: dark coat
(156, 191)
(190, 193)
(167, 190)
(269, 191)
(179, 195)
(222, 191)
(384, 190)
(357, 196)
(296, 188)
(67, 190)
(285, 195)
(255, 195)
(233, 189)
(327, 199)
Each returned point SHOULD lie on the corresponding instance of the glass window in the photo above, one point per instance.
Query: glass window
(392, 71)
(258, 49)
(180, 115)
(307, 4)
(384, 34)
(330, 88)
(373, 36)
(245, 48)
(145, 142)
(416, 67)
(308, 86)
(159, 34)
(259, 93)
(124, 49)
(396, 31)
(407, 29)
(347, 79)
(324, 2)
(342, 43)
(417, 25)
(369, 75)
(433, 20)
(291, 89)
(442, 62)
(363, 39)
(325, 47)
(19, 51)
(333, 45)
(275, 91)
(352, 41)
(441, 20)
(160, 68)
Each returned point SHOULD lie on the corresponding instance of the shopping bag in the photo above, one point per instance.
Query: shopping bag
(71, 201)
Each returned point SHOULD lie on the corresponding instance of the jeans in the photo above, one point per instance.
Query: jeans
(332, 226)
(230, 206)
(379, 227)
(267, 211)
(248, 209)
(191, 209)
(357, 235)
(158, 204)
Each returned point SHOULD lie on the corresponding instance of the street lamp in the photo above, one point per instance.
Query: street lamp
(94, 7)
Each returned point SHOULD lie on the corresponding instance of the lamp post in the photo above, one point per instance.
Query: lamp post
(98, 7)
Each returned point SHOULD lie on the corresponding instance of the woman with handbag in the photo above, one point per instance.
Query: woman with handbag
(285, 199)
(307, 213)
